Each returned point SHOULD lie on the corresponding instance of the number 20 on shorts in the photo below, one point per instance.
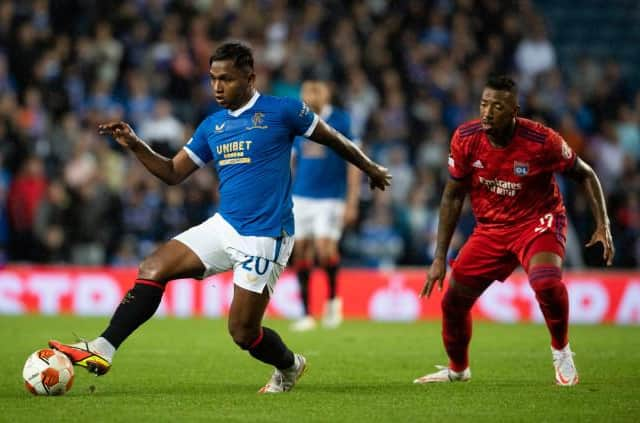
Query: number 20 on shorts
(259, 265)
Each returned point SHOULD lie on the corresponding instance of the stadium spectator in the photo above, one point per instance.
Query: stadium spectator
(401, 69)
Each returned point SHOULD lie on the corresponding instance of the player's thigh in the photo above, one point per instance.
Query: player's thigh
(543, 242)
(207, 242)
(172, 260)
(247, 309)
(254, 273)
(483, 259)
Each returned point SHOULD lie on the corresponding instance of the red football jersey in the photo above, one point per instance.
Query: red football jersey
(513, 184)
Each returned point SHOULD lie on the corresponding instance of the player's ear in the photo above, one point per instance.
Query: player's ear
(252, 78)
(516, 110)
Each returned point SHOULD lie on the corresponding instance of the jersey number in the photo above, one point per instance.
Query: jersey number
(257, 264)
(545, 223)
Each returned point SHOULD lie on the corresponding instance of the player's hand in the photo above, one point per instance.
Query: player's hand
(602, 235)
(121, 132)
(379, 177)
(436, 274)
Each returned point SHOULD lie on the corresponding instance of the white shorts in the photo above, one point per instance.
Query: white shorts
(257, 261)
(318, 217)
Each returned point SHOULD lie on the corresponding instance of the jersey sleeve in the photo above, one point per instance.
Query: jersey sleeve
(197, 148)
(457, 163)
(298, 117)
(560, 156)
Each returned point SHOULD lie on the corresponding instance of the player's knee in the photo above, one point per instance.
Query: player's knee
(151, 268)
(543, 278)
(244, 335)
(455, 301)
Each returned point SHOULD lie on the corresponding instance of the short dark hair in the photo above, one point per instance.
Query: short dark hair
(502, 83)
(239, 53)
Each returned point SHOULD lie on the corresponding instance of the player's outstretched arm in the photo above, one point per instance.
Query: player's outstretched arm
(379, 176)
(585, 176)
(450, 208)
(171, 171)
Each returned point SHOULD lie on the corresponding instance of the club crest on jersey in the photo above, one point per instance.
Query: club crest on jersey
(257, 121)
(520, 168)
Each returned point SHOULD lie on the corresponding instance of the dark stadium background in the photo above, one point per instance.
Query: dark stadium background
(408, 72)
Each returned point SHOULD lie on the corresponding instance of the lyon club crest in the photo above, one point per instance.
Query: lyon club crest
(520, 168)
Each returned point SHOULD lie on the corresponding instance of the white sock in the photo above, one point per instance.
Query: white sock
(103, 347)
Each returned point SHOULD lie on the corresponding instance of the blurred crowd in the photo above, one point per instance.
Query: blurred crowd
(407, 71)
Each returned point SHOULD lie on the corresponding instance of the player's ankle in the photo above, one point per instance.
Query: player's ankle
(103, 347)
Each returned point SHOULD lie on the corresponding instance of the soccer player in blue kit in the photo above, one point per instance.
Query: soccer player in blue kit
(325, 198)
(249, 144)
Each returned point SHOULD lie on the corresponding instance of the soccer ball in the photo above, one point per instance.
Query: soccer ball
(48, 372)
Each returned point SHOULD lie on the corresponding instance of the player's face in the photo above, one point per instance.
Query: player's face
(497, 110)
(232, 87)
(316, 94)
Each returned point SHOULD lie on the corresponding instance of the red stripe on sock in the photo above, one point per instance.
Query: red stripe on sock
(303, 264)
(257, 341)
(150, 283)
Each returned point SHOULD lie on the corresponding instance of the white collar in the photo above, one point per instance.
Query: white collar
(326, 111)
(247, 106)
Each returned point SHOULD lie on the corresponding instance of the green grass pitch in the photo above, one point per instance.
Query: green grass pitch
(190, 370)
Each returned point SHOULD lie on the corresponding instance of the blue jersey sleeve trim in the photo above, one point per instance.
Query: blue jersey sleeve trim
(312, 127)
(194, 157)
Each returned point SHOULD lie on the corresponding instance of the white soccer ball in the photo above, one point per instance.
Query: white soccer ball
(48, 372)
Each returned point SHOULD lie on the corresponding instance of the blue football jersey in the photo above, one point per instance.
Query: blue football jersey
(319, 171)
(251, 151)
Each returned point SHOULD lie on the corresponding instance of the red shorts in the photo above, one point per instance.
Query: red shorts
(493, 254)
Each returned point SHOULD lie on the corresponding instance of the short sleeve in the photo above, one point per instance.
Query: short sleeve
(298, 117)
(197, 148)
(457, 162)
(560, 156)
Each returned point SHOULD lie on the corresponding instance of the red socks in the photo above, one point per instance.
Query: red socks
(456, 327)
(553, 298)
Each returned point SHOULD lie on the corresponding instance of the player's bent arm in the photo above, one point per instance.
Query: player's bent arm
(326, 135)
(582, 173)
(450, 208)
(170, 171)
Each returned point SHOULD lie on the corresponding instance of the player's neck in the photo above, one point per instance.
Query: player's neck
(503, 138)
(244, 100)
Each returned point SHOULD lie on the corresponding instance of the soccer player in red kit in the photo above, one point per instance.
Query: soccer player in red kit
(506, 164)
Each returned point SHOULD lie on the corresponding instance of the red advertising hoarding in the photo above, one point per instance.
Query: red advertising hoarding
(595, 297)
